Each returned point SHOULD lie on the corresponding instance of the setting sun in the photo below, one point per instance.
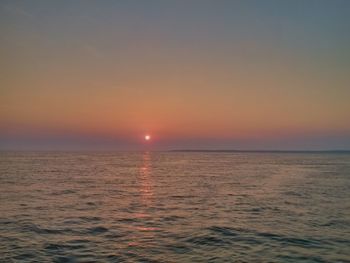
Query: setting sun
(147, 137)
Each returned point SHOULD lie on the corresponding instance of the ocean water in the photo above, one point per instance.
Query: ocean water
(174, 207)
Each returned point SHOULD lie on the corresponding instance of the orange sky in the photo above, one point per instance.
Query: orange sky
(179, 71)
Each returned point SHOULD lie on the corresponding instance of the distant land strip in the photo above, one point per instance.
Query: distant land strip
(262, 151)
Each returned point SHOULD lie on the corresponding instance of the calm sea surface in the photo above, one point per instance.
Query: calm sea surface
(174, 207)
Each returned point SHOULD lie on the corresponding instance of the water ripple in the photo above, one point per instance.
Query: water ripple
(174, 207)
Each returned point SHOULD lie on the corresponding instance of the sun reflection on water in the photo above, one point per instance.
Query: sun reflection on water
(144, 233)
(146, 185)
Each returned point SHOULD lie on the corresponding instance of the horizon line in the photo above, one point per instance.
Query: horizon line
(182, 150)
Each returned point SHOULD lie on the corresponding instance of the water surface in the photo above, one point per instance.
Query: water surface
(174, 207)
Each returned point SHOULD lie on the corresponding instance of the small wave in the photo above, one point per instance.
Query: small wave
(53, 247)
(337, 223)
(39, 230)
(65, 246)
(97, 230)
(64, 192)
(25, 256)
(304, 242)
(172, 218)
(179, 248)
(128, 220)
(90, 218)
(114, 235)
(182, 196)
(207, 240)
(224, 231)
(255, 237)
(63, 259)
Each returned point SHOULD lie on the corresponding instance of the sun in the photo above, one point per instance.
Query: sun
(147, 137)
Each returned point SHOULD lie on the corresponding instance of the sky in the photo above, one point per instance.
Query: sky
(99, 75)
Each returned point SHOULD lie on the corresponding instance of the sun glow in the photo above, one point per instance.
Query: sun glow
(147, 137)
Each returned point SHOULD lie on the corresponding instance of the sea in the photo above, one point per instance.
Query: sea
(175, 206)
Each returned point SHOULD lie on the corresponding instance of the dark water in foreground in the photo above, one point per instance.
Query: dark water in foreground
(174, 207)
